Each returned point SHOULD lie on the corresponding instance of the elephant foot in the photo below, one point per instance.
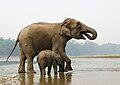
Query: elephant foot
(32, 71)
(55, 73)
(68, 68)
(61, 69)
(22, 71)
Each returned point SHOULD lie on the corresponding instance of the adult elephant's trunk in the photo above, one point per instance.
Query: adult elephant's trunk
(89, 32)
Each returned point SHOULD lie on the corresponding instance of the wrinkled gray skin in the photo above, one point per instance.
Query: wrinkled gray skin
(47, 58)
(53, 36)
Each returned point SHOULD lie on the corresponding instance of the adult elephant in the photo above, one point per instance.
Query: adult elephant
(52, 36)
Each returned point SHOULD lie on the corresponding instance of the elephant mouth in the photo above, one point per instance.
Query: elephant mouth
(83, 37)
(85, 34)
(88, 35)
(80, 36)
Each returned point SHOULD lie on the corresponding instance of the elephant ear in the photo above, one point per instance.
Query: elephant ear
(65, 29)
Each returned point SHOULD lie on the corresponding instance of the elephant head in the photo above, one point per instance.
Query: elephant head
(76, 29)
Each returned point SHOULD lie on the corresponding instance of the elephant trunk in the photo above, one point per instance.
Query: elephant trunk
(90, 33)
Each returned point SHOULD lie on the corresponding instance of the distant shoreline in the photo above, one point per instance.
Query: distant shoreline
(82, 56)
(96, 56)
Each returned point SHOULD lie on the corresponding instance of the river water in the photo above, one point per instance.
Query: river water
(86, 71)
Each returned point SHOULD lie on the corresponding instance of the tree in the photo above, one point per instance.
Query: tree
(6, 46)
(73, 48)
(89, 48)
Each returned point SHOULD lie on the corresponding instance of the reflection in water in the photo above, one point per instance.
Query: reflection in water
(60, 79)
(22, 78)
(26, 81)
(30, 78)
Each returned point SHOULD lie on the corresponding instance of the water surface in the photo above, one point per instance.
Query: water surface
(87, 71)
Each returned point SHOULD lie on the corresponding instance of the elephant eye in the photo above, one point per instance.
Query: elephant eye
(78, 25)
(67, 26)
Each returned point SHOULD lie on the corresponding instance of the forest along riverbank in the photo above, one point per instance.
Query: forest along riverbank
(87, 71)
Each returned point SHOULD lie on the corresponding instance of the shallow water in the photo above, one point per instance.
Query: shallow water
(87, 71)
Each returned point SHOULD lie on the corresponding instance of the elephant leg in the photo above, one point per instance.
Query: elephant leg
(68, 65)
(61, 69)
(68, 62)
(30, 68)
(55, 68)
(43, 71)
(49, 69)
(30, 54)
(40, 67)
(21, 68)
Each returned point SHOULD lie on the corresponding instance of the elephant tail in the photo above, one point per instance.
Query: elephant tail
(12, 50)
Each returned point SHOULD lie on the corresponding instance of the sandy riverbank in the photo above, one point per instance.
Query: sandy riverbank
(97, 56)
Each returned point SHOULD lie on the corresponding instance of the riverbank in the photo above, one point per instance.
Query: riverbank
(96, 56)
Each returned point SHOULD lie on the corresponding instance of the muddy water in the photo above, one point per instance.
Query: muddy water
(87, 71)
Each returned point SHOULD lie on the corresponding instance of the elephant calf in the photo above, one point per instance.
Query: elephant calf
(47, 58)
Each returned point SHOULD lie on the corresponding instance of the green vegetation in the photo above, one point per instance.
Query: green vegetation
(90, 48)
(6, 46)
(73, 48)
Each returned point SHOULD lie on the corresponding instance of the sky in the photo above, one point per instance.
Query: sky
(102, 15)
